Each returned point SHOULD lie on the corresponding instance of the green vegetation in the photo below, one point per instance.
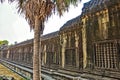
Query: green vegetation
(2, 42)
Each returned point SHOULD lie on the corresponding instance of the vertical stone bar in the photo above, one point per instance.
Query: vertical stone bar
(107, 48)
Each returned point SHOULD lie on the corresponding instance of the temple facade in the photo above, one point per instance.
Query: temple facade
(86, 47)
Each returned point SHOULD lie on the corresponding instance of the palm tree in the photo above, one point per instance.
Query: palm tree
(36, 13)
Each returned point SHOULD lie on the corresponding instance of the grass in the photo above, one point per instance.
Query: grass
(6, 72)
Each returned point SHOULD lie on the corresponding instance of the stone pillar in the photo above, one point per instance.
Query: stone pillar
(69, 39)
(63, 49)
(1, 54)
(76, 50)
(84, 43)
(8, 54)
(45, 54)
(103, 24)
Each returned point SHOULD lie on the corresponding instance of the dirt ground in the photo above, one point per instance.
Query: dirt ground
(9, 73)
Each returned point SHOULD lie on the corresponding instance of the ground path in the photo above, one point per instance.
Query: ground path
(5, 71)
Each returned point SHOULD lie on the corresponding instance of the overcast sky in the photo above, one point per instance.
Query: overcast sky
(13, 27)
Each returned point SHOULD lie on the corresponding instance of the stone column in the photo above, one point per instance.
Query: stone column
(63, 50)
(8, 54)
(103, 24)
(45, 54)
(76, 50)
(84, 43)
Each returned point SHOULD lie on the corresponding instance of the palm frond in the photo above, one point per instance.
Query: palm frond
(63, 5)
(42, 8)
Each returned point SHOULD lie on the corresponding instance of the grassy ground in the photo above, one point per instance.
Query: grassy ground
(7, 72)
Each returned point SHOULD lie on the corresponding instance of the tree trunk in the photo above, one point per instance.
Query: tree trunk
(36, 62)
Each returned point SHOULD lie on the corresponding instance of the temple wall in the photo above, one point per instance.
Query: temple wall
(90, 42)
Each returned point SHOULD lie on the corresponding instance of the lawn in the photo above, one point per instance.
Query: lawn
(6, 72)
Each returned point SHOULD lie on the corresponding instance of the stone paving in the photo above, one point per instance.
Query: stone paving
(8, 73)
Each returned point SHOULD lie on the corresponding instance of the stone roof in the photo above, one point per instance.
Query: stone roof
(22, 43)
(44, 37)
(89, 7)
(50, 35)
(70, 22)
(95, 5)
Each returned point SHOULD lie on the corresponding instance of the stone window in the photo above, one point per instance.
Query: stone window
(53, 55)
(70, 57)
(106, 55)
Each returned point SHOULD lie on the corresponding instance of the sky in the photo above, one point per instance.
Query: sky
(14, 28)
